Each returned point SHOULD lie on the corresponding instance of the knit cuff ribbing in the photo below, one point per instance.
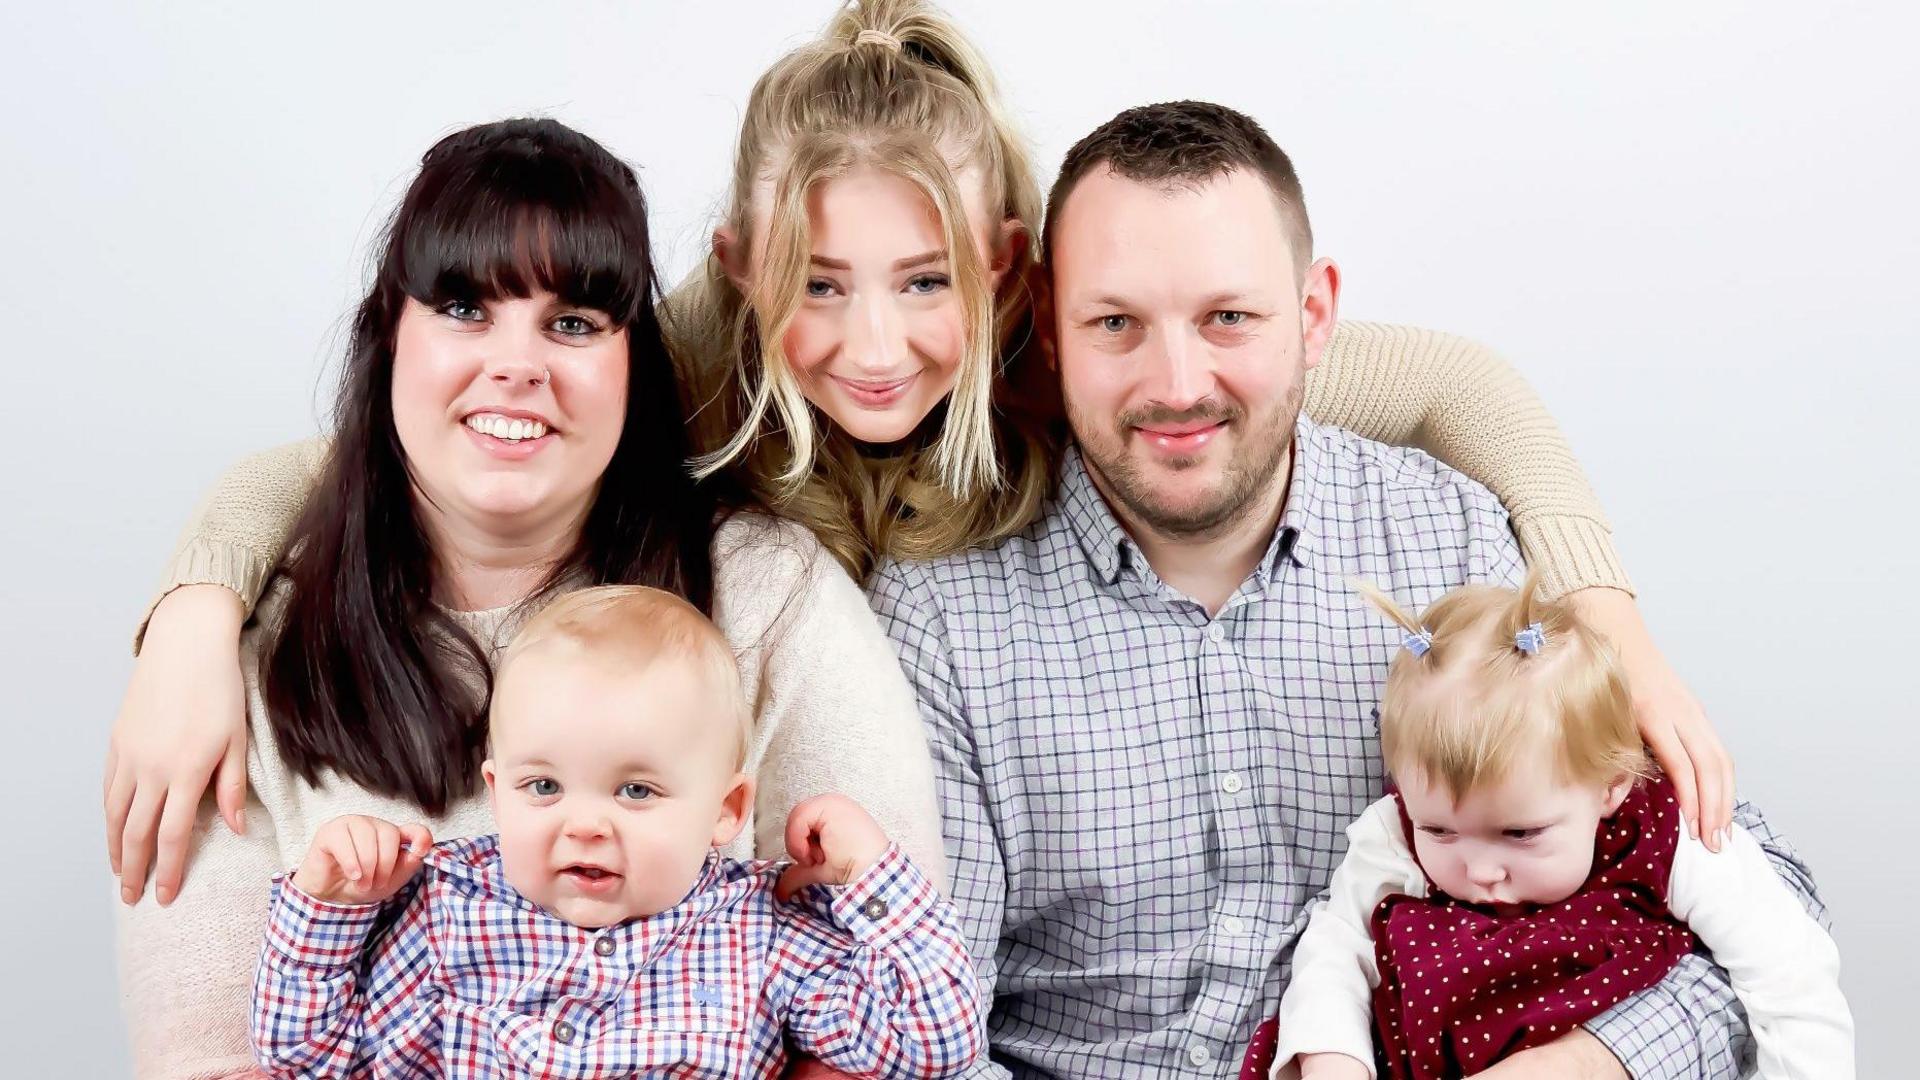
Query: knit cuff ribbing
(203, 562)
(1573, 553)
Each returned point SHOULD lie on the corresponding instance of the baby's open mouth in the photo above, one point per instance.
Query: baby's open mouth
(585, 874)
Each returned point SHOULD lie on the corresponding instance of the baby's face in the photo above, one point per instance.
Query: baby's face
(1525, 840)
(609, 785)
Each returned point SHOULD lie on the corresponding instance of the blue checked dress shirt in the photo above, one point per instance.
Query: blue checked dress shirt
(1142, 801)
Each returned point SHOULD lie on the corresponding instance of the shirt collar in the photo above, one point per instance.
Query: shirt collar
(1111, 551)
(476, 861)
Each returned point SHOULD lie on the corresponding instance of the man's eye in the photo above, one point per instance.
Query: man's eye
(635, 791)
(1113, 324)
(462, 310)
(543, 787)
(1230, 318)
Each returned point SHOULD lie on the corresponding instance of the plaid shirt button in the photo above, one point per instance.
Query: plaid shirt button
(562, 1032)
(875, 908)
(1231, 783)
(1199, 1055)
(604, 946)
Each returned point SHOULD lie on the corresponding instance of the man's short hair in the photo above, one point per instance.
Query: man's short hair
(1184, 142)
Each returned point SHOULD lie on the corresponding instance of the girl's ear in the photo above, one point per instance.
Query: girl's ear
(1617, 792)
(732, 254)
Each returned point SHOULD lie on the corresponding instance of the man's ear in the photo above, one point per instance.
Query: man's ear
(734, 807)
(1319, 308)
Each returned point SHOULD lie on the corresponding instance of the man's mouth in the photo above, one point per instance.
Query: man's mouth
(1185, 437)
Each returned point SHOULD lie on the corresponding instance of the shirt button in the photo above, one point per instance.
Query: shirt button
(1216, 633)
(1198, 1055)
(562, 1032)
(1233, 924)
(604, 946)
(1231, 783)
(875, 908)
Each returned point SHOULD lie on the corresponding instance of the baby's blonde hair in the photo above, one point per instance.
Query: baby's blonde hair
(892, 85)
(1475, 705)
(633, 626)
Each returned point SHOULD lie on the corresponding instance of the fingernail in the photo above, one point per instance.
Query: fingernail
(1719, 839)
(126, 894)
(164, 895)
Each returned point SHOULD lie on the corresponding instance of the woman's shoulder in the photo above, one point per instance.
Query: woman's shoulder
(754, 549)
(772, 575)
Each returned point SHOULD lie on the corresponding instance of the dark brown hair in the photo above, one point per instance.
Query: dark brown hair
(1184, 142)
(365, 675)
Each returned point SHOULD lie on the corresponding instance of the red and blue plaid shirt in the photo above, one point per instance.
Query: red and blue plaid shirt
(460, 976)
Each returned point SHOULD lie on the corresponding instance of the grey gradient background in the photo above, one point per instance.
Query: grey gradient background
(1690, 225)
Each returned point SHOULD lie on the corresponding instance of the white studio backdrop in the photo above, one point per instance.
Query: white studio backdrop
(1689, 225)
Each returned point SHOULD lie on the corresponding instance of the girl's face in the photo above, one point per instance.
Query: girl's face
(1527, 839)
(878, 339)
(508, 410)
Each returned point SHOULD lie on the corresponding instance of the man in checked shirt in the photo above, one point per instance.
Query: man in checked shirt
(1153, 712)
(600, 934)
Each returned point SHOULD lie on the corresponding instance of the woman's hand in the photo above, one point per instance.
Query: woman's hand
(183, 721)
(1672, 722)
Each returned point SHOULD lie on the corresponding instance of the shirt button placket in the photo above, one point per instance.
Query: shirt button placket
(562, 1032)
(1199, 1055)
(603, 946)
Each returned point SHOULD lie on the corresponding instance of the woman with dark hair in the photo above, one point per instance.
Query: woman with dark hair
(508, 427)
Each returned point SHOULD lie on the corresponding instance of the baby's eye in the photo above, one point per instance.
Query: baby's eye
(1522, 834)
(542, 787)
(635, 791)
(1437, 832)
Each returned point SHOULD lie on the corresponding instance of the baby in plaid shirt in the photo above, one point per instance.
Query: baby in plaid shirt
(599, 933)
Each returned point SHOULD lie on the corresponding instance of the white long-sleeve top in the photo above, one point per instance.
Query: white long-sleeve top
(1783, 965)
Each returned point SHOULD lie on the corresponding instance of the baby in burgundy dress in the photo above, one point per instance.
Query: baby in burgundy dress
(1531, 870)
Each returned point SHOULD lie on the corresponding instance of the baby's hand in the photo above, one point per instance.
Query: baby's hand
(1332, 1067)
(361, 860)
(832, 841)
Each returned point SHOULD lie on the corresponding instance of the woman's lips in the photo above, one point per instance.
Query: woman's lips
(875, 393)
(506, 449)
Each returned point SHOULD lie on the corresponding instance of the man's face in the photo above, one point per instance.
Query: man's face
(1183, 335)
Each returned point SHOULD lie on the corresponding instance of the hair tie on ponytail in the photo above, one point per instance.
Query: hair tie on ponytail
(877, 37)
(1419, 643)
(1531, 640)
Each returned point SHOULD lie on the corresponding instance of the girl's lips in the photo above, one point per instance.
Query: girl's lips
(1182, 440)
(875, 395)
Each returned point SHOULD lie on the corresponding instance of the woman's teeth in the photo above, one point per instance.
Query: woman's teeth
(501, 427)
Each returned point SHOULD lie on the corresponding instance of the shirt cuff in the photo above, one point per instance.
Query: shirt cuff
(203, 562)
(315, 933)
(1656, 1033)
(891, 900)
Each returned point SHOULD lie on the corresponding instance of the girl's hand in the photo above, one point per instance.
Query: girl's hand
(1672, 722)
(832, 841)
(361, 860)
(183, 721)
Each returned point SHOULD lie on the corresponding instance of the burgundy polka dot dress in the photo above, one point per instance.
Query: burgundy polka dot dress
(1460, 988)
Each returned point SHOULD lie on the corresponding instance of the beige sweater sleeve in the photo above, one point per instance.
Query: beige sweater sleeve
(832, 709)
(1458, 401)
(235, 537)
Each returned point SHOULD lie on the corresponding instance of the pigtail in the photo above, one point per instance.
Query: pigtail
(1419, 640)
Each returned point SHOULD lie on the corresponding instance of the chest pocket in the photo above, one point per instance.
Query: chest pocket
(705, 982)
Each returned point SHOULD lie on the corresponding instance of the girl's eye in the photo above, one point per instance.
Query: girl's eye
(927, 284)
(1230, 318)
(819, 288)
(462, 310)
(574, 325)
(635, 791)
(1113, 324)
(542, 787)
(1522, 834)
(1437, 832)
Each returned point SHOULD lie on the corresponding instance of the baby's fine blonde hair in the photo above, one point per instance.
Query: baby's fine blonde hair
(632, 626)
(1474, 705)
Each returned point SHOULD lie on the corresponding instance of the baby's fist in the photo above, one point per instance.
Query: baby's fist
(361, 860)
(832, 841)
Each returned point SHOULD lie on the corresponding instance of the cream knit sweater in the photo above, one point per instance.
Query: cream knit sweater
(832, 713)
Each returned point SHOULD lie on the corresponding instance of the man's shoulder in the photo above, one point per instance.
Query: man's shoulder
(1357, 460)
(981, 573)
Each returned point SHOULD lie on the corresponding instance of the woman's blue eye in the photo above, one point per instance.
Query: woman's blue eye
(635, 791)
(543, 786)
(927, 284)
(462, 310)
(819, 288)
(574, 326)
